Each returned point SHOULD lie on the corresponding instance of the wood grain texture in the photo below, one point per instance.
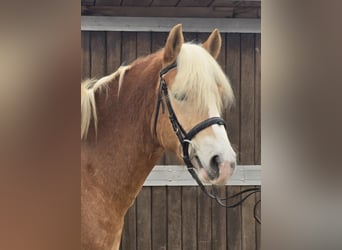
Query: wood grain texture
(164, 2)
(107, 2)
(247, 99)
(129, 47)
(156, 11)
(113, 51)
(234, 229)
(243, 3)
(129, 234)
(189, 218)
(257, 225)
(174, 218)
(98, 54)
(144, 241)
(136, 3)
(88, 2)
(246, 12)
(85, 55)
(193, 3)
(143, 44)
(203, 221)
(190, 36)
(257, 103)
(159, 218)
(248, 223)
(233, 115)
(162, 24)
(219, 222)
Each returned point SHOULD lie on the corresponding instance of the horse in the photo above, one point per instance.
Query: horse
(125, 128)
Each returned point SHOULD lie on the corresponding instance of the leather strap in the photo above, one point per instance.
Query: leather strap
(185, 139)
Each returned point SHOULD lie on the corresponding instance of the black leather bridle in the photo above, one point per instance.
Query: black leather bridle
(185, 140)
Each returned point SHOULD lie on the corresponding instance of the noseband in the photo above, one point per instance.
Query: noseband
(186, 137)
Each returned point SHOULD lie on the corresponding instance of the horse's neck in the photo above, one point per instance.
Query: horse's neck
(124, 152)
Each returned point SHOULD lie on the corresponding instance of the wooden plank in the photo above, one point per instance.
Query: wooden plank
(88, 2)
(162, 24)
(144, 43)
(129, 47)
(202, 37)
(234, 221)
(246, 12)
(164, 2)
(159, 218)
(233, 72)
(85, 55)
(247, 99)
(257, 225)
(190, 36)
(194, 3)
(136, 3)
(174, 218)
(203, 221)
(257, 103)
(158, 40)
(129, 234)
(113, 51)
(248, 223)
(245, 3)
(98, 54)
(121, 11)
(144, 219)
(219, 222)
(107, 2)
(178, 175)
(189, 218)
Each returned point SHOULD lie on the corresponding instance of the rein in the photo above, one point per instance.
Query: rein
(185, 140)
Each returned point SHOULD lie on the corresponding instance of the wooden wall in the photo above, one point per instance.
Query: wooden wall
(183, 217)
(173, 8)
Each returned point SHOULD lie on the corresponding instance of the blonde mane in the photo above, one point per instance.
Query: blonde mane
(88, 103)
(201, 79)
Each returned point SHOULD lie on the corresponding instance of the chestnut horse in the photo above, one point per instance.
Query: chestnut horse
(125, 128)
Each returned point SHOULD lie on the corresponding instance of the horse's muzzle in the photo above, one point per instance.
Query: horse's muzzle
(218, 171)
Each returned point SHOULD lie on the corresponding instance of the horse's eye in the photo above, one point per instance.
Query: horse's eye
(180, 97)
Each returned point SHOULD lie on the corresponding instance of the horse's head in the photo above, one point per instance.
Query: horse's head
(198, 90)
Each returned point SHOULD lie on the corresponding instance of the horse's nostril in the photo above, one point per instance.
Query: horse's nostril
(232, 165)
(214, 165)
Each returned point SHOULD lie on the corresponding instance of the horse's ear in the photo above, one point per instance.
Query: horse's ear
(213, 43)
(173, 44)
